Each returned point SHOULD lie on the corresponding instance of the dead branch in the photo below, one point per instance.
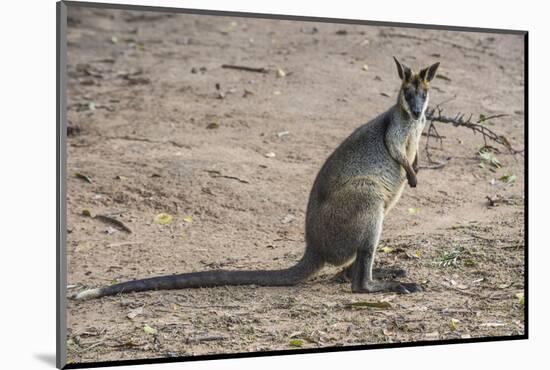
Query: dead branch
(245, 68)
(435, 114)
(432, 132)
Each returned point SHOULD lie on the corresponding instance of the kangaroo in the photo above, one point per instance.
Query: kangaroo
(351, 195)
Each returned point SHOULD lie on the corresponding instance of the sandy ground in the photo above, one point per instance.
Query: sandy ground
(160, 127)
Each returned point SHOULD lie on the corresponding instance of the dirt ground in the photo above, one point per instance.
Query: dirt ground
(158, 126)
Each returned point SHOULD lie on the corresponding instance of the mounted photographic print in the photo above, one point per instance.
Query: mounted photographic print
(235, 184)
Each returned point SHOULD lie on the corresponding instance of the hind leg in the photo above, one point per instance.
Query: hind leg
(377, 273)
(362, 269)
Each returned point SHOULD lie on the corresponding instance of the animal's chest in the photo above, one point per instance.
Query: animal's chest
(413, 137)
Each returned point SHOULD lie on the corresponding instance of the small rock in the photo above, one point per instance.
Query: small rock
(287, 219)
(133, 313)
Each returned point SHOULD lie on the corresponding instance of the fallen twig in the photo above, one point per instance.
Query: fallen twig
(499, 199)
(214, 173)
(436, 165)
(432, 135)
(147, 18)
(113, 221)
(486, 238)
(93, 345)
(245, 68)
(146, 140)
(205, 338)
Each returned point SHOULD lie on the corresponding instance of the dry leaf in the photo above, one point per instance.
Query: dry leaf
(454, 324)
(163, 219)
(521, 298)
(508, 179)
(83, 177)
(86, 212)
(149, 330)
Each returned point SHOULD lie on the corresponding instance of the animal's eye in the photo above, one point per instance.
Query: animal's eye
(423, 93)
(408, 94)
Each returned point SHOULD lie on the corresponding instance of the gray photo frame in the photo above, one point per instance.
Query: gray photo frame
(63, 173)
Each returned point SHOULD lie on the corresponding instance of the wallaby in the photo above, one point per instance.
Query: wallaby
(352, 193)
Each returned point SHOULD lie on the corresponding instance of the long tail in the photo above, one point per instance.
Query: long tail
(306, 267)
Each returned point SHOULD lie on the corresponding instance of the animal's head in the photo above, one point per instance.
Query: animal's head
(413, 96)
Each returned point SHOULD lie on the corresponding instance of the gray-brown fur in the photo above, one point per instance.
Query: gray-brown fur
(351, 195)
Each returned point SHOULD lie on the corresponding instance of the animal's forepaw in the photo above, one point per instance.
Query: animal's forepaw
(412, 180)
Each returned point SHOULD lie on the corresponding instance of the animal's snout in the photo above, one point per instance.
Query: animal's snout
(416, 112)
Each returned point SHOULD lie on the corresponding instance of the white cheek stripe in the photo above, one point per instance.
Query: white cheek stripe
(425, 104)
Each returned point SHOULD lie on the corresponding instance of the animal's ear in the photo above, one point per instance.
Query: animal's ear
(427, 74)
(403, 71)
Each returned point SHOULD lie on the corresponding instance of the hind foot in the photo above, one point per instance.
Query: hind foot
(377, 273)
(375, 286)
